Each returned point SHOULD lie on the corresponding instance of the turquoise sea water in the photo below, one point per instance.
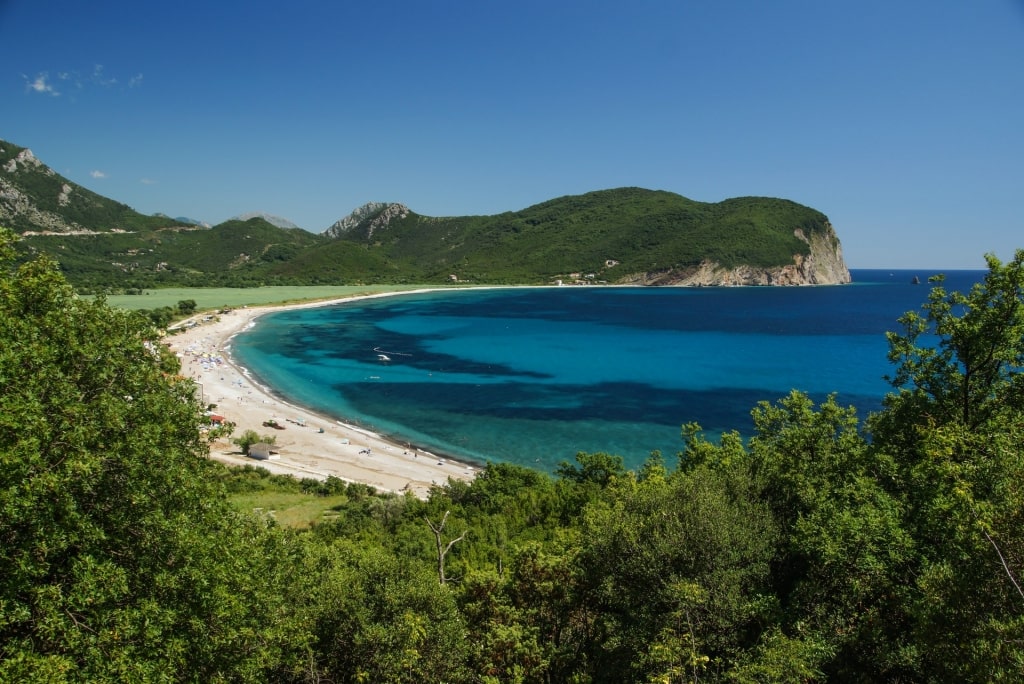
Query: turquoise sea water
(534, 375)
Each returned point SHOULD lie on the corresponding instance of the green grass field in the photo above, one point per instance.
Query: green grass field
(292, 502)
(297, 510)
(218, 297)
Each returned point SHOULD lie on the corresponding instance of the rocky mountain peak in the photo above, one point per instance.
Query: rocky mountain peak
(372, 215)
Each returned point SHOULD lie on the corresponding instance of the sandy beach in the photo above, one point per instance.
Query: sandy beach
(310, 445)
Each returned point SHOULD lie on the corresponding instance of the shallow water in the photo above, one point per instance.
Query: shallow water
(533, 376)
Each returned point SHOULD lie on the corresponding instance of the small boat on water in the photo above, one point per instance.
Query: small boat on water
(383, 357)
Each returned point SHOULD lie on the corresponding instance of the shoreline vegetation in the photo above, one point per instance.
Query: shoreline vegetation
(312, 444)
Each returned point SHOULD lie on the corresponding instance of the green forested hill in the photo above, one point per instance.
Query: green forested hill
(619, 235)
(641, 230)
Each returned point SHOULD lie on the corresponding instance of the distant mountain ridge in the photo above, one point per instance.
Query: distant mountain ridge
(622, 235)
(184, 220)
(269, 218)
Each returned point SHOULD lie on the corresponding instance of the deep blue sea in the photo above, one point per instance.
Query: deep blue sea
(535, 375)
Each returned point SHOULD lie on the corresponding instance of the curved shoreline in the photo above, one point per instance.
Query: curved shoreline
(298, 406)
(312, 444)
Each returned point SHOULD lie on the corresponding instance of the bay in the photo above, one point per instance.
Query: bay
(534, 375)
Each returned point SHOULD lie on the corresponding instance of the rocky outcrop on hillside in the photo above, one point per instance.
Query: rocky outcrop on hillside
(823, 265)
(372, 216)
(17, 207)
(26, 160)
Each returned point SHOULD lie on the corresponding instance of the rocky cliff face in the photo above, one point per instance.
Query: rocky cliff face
(372, 215)
(822, 265)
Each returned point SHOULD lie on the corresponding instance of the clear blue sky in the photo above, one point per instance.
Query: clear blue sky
(903, 120)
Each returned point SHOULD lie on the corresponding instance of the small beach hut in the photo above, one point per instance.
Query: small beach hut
(260, 450)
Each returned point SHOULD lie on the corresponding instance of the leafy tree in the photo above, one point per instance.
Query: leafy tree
(779, 659)
(599, 468)
(677, 566)
(250, 437)
(506, 647)
(967, 512)
(160, 317)
(846, 555)
(119, 559)
(972, 372)
(375, 617)
(953, 427)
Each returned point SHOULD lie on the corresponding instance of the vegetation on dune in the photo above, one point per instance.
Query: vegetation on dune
(822, 547)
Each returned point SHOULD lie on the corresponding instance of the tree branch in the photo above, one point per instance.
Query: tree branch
(442, 548)
(1002, 560)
